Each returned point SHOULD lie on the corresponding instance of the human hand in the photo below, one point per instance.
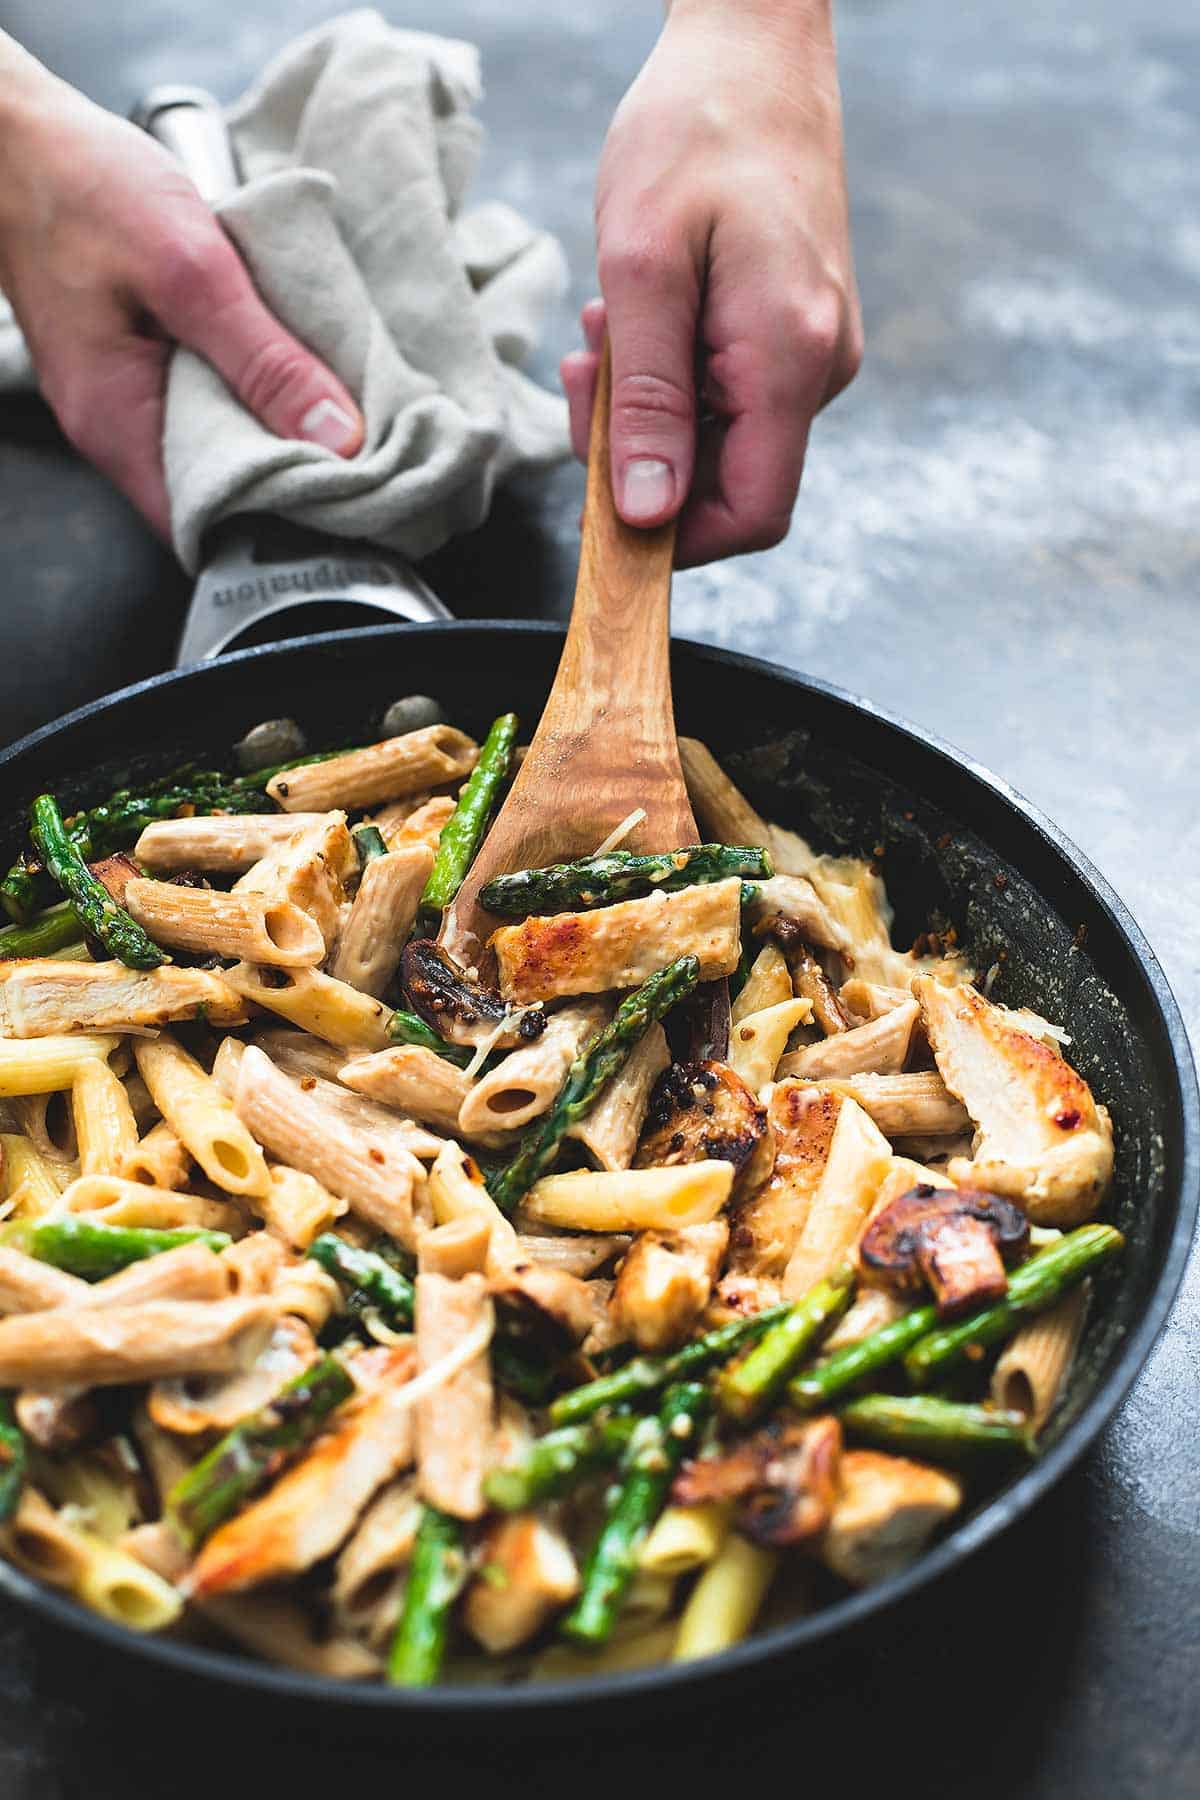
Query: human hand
(108, 256)
(724, 256)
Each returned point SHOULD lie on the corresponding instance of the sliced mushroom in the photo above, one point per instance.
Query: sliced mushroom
(1040, 1137)
(459, 1009)
(664, 1283)
(955, 1240)
(114, 873)
(884, 1512)
(809, 980)
(701, 1112)
(785, 1478)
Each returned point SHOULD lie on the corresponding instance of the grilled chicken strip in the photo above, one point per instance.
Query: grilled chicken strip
(885, 1510)
(664, 1283)
(1040, 1137)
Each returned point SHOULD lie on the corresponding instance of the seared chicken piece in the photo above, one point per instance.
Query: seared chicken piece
(885, 1510)
(311, 1509)
(858, 1163)
(1040, 1137)
(701, 1112)
(801, 1118)
(664, 1283)
(880, 1047)
(528, 1572)
(40, 997)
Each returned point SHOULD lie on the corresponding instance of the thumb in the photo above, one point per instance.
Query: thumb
(274, 375)
(652, 304)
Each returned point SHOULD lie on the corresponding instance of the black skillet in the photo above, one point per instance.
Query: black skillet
(957, 847)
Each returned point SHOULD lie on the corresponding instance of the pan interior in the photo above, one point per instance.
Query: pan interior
(954, 852)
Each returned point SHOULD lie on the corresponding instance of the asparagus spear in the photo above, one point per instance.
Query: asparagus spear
(93, 1250)
(463, 832)
(617, 875)
(644, 1375)
(595, 1065)
(816, 1387)
(1032, 1287)
(944, 1429)
(409, 1028)
(436, 1577)
(255, 1451)
(93, 905)
(12, 1459)
(654, 1453)
(54, 930)
(747, 1387)
(366, 1278)
(553, 1464)
(369, 843)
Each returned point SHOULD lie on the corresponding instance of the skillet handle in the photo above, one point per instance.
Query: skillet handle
(239, 584)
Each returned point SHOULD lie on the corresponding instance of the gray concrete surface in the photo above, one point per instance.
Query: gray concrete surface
(998, 537)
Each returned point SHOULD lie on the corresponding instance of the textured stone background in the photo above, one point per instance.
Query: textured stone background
(998, 536)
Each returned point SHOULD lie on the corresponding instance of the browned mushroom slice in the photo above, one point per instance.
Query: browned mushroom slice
(115, 873)
(785, 1477)
(956, 1240)
(809, 979)
(701, 1112)
(460, 1009)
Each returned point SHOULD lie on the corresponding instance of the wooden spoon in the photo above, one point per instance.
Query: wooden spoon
(606, 743)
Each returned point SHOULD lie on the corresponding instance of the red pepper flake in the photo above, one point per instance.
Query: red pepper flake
(308, 1083)
(1068, 1120)
(375, 1155)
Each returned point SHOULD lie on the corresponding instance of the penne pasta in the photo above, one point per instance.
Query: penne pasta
(524, 1083)
(376, 1551)
(759, 1039)
(454, 1424)
(609, 1132)
(917, 1104)
(415, 1081)
(769, 983)
(726, 1600)
(631, 1200)
(28, 1286)
(48, 1064)
(457, 1191)
(527, 1573)
(81, 1346)
(42, 998)
(1032, 1371)
(105, 1128)
(859, 1160)
(376, 1179)
(250, 926)
(201, 1117)
(403, 823)
(686, 1538)
(620, 946)
(310, 870)
(110, 1200)
(297, 1208)
(223, 844)
(384, 771)
(880, 1047)
(26, 1181)
(316, 1002)
(102, 1576)
(380, 919)
(158, 1160)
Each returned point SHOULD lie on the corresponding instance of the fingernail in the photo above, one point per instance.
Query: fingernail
(647, 490)
(329, 424)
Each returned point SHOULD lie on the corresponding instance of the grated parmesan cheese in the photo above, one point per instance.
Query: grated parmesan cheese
(620, 832)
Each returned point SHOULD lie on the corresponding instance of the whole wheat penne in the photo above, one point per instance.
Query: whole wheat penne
(415, 1081)
(880, 1047)
(610, 1129)
(201, 1117)
(757, 1041)
(859, 1161)
(377, 1181)
(316, 1002)
(159, 1159)
(228, 845)
(188, 1272)
(298, 1053)
(384, 771)
(280, 1630)
(48, 1064)
(632, 1199)
(380, 919)
(524, 1083)
(26, 1181)
(254, 926)
(385, 1125)
(310, 1511)
(105, 1129)
(297, 1208)
(85, 1346)
(378, 1548)
(43, 998)
(310, 869)
(580, 1256)
(28, 1286)
(110, 1200)
(1032, 1371)
(454, 1424)
(620, 946)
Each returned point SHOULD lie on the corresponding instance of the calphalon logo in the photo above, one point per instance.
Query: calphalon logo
(325, 578)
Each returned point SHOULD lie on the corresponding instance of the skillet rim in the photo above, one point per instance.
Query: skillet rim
(845, 1616)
